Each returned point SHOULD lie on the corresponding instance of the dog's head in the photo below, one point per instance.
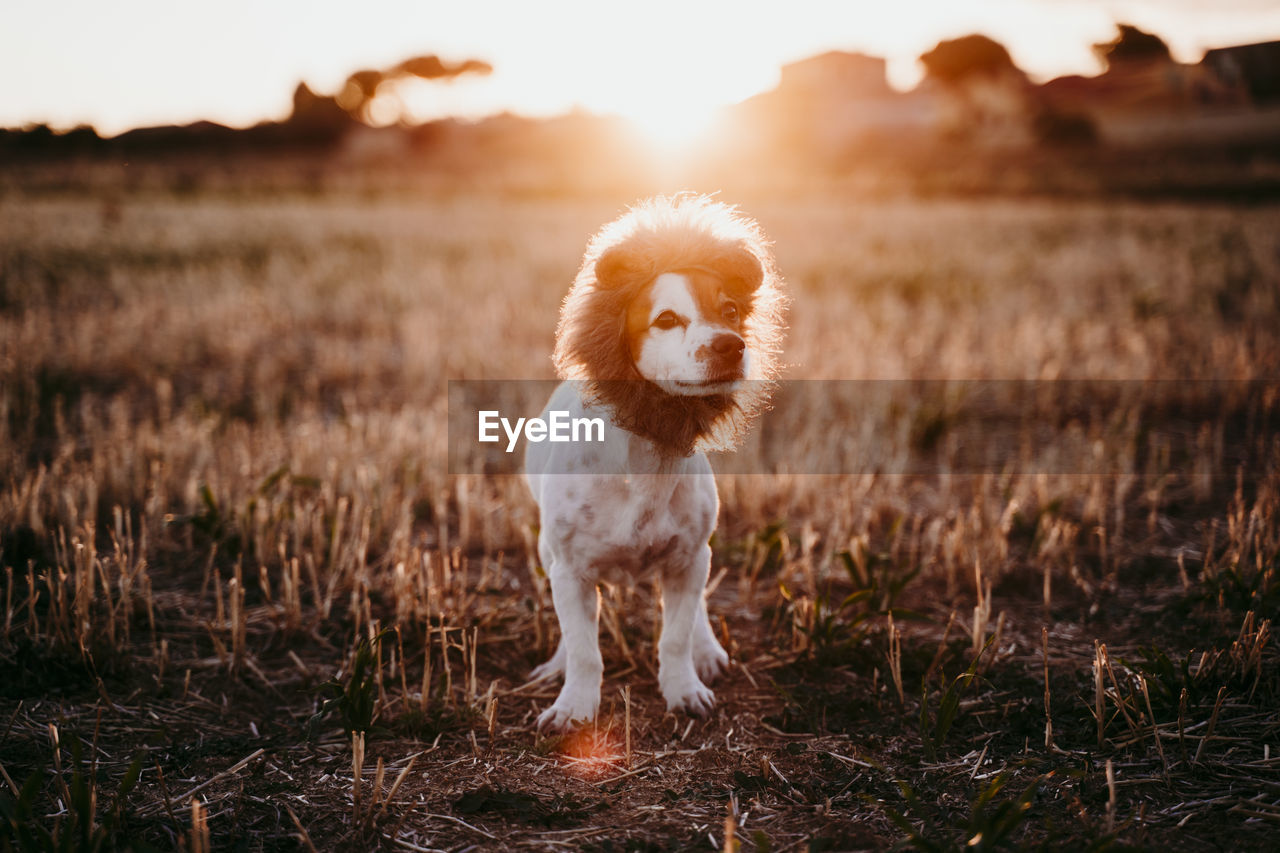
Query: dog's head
(675, 321)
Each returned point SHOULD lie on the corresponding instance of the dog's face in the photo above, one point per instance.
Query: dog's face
(684, 333)
(683, 328)
(675, 323)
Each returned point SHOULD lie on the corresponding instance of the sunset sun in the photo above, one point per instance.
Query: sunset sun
(671, 126)
(674, 107)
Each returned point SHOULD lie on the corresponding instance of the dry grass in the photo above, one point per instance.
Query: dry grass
(232, 549)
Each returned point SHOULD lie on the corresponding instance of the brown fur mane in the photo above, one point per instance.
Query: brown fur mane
(666, 235)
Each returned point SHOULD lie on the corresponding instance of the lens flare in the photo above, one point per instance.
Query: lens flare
(591, 753)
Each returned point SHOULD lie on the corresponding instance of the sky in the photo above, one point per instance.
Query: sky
(118, 64)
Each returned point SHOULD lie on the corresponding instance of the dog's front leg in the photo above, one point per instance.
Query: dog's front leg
(709, 657)
(682, 587)
(577, 604)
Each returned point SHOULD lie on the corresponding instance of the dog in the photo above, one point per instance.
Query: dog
(671, 331)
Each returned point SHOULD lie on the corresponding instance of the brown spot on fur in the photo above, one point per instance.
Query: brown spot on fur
(711, 289)
(638, 311)
(658, 553)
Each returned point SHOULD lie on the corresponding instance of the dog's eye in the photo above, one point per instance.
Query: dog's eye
(729, 311)
(667, 320)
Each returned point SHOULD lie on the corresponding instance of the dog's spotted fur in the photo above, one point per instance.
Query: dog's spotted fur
(671, 331)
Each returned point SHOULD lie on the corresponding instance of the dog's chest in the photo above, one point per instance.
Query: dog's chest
(636, 522)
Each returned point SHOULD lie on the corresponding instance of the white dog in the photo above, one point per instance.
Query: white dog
(671, 333)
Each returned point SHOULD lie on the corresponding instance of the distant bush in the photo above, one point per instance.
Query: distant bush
(955, 59)
(1063, 129)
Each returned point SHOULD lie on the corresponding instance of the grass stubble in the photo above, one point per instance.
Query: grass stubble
(246, 607)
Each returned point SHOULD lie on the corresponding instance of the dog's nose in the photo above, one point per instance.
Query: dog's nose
(729, 347)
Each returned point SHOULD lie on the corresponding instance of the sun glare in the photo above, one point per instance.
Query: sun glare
(672, 128)
(591, 753)
(674, 114)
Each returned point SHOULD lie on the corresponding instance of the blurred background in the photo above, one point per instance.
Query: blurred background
(1163, 98)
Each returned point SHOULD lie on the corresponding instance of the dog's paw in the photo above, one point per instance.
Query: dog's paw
(554, 666)
(567, 710)
(549, 669)
(690, 696)
(710, 662)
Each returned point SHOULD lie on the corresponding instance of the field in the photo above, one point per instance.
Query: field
(246, 605)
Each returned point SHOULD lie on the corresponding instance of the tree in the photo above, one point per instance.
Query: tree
(362, 87)
(1132, 45)
(957, 59)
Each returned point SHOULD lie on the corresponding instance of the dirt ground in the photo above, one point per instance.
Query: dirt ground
(246, 606)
